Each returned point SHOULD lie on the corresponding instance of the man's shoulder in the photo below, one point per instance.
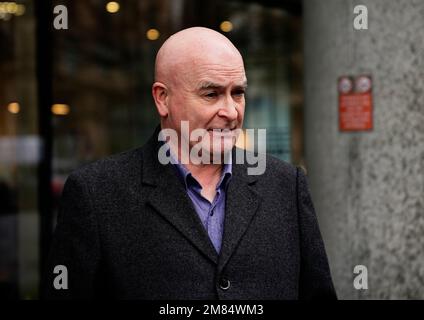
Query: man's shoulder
(279, 172)
(279, 181)
(274, 167)
(116, 166)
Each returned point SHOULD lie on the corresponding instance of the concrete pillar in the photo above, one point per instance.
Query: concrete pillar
(368, 187)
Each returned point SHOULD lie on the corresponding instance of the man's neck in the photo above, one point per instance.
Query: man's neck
(205, 171)
(208, 176)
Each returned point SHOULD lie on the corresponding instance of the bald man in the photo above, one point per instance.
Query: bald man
(178, 218)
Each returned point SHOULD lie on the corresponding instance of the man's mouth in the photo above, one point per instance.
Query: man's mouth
(222, 133)
(221, 129)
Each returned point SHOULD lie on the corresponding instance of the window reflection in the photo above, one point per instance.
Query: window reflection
(19, 152)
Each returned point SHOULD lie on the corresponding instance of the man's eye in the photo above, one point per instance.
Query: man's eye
(239, 93)
(211, 95)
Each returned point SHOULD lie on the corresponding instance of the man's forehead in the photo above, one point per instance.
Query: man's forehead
(217, 73)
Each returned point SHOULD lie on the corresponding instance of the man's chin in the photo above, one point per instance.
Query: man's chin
(212, 156)
(220, 156)
(217, 151)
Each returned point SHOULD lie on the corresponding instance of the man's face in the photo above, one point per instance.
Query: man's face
(210, 95)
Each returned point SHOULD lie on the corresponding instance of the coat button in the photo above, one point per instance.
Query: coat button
(224, 284)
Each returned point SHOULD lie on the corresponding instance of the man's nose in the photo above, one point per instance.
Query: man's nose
(229, 109)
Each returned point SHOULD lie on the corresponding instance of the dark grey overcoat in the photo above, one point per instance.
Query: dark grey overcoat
(127, 230)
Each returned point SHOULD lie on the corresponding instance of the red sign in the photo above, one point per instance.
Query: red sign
(355, 103)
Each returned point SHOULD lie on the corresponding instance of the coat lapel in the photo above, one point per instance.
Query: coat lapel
(241, 206)
(171, 201)
(169, 198)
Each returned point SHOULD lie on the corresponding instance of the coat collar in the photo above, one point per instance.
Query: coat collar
(169, 198)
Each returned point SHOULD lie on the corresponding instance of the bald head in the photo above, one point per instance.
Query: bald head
(189, 48)
(199, 78)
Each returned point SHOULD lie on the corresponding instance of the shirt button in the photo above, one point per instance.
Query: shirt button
(224, 284)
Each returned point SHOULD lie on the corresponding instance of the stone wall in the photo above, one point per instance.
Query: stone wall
(368, 187)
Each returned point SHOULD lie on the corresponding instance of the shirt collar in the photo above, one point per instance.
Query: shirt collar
(189, 181)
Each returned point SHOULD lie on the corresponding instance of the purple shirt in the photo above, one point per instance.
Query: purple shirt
(211, 214)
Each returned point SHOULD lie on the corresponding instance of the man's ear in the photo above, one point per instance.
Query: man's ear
(160, 95)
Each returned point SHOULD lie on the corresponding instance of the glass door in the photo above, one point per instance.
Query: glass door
(19, 152)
